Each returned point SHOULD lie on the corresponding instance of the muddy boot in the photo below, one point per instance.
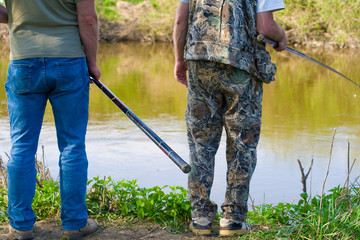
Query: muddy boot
(200, 226)
(21, 235)
(229, 228)
(90, 227)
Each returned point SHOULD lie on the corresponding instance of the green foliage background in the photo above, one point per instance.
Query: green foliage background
(304, 20)
(322, 20)
(334, 21)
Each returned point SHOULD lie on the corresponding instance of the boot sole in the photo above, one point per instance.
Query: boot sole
(200, 231)
(229, 233)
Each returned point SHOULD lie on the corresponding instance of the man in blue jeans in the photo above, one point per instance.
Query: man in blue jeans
(53, 49)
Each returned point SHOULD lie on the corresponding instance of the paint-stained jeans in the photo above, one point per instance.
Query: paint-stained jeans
(65, 83)
(221, 96)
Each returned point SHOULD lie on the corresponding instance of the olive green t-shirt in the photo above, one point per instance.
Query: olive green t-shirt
(43, 28)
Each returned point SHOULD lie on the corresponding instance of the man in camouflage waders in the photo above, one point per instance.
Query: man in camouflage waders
(215, 40)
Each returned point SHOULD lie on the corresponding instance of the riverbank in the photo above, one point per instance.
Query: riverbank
(311, 23)
(332, 215)
(152, 21)
(51, 229)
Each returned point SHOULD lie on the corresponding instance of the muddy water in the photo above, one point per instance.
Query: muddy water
(301, 111)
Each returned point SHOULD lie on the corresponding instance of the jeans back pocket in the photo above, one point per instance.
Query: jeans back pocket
(70, 74)
(19, 78)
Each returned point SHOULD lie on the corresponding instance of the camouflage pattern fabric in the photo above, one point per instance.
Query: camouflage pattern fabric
(221, 96)
(225, 31)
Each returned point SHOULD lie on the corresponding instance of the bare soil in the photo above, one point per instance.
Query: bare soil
(51, 229)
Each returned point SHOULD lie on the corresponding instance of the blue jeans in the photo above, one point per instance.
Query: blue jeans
(65, 83)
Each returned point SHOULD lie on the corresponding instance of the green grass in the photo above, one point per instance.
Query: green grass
(106, 199)
(332, 215)
(3, 205)
(335, 21)
(169, 206)
(305, 20)
(322, 20)
(107, 9)
(339, 217)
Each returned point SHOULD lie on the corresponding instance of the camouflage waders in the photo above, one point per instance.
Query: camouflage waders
(220, 96)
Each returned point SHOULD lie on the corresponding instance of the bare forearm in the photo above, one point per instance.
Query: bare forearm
(267, 26)
(179, 38)
(89, 34)
(3, 14)
(180, 31)
(89, 37)
(179, 43)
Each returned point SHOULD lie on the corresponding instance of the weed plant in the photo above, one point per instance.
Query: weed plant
(108, 199)
(3, 205)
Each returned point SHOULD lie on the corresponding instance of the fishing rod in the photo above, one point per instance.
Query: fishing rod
(262, 38)
(185, 167)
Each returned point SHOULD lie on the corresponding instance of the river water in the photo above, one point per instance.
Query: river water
(301, 111)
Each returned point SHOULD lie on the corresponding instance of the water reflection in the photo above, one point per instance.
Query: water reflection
(141, 75)
(300, 112)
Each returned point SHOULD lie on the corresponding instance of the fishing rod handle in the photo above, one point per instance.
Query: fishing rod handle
(262, 38)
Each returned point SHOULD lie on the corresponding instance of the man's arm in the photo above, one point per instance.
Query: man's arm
(89, 34)
(3, 14)
(267, 26)
(179, 38)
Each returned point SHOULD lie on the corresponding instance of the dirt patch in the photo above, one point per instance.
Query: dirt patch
(125, 29)
(51, 229)
(4, 32)
(136, 22)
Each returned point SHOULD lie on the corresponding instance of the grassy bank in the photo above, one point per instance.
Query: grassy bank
(332, 215)
(136, 20)
(335, 215)
(335, 22)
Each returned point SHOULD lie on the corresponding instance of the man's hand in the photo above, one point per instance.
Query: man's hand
(281, 45)
(94, 72)
(180, 72)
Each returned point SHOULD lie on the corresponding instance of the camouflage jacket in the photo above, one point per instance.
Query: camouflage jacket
(225, 31)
